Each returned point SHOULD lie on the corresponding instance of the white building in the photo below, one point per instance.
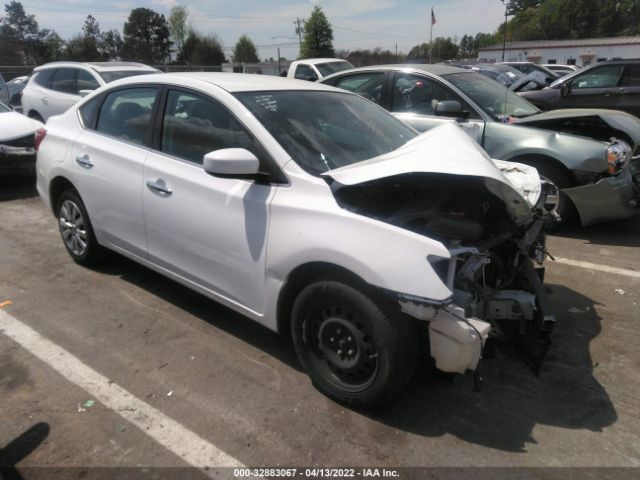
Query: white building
(568, 52)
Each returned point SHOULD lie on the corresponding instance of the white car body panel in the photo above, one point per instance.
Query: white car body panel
(239, 241)
(13, 125)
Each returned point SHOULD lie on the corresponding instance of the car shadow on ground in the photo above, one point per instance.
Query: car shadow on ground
(621, 233)
(20, 448)
(13, 187)
(512, 400)
(502, 415)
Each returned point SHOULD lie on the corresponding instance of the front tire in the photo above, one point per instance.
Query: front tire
(356, 350)
(76, 230)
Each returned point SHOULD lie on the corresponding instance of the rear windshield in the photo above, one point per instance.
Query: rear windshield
(333, 67)
(323, 131)
(109, 77)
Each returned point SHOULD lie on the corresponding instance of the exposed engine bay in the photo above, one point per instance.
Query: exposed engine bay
(495, 271)
(593, 127)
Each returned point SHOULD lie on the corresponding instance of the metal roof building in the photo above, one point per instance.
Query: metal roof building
(580, 52)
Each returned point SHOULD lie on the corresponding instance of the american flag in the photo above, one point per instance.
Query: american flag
(433, 17)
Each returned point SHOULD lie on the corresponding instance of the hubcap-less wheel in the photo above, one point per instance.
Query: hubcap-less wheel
(72, 228)
(343, 350)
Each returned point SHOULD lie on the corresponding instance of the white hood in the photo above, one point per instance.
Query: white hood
(446, 149)
(14, 125)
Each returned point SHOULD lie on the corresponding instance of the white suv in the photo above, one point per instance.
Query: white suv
(54, 87)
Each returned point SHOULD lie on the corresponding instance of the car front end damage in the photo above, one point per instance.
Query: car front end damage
(494, 230)
(18, 156)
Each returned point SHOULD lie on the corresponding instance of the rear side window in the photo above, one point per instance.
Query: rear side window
(43, 77)
(367, 85)
(126, 114)
(64, 80)
(86, 81)
(631, 76)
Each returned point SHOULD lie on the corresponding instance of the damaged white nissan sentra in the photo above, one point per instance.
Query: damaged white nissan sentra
(310, 210)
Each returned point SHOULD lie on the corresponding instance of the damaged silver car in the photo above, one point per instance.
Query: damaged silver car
(589, 154)
(313, 212)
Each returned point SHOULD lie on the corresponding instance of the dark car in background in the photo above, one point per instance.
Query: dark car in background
(613, 85)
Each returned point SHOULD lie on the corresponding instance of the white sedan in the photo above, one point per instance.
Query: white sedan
(17, 142)
(310, 210)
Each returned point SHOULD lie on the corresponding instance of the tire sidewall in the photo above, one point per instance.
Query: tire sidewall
(92, 245)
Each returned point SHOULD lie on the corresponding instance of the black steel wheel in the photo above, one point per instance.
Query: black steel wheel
(357, 351)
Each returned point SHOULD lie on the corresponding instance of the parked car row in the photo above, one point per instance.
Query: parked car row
(403, 211)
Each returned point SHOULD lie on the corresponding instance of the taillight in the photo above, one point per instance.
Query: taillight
(39, 136)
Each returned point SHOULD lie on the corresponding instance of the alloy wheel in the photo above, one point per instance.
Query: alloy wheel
(72, 228)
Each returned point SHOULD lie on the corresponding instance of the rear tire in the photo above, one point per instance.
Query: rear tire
(358, 351)
(76, 230)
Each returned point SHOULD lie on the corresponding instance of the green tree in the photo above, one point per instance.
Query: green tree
(85, 46)
(146, 37)
(245, 51)
(19, 33)
(318, 36)
(178, 26)
(201, 50)
(111, 45)
(419, 53)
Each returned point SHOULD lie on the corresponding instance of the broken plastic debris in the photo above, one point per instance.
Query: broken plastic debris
(6, 303)
(170, 393)
(619, 291)
(80, 409)
(89, 403)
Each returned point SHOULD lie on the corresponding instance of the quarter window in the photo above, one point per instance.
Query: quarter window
(631, 76)
(600, 77)
(193, 126)
(305, 72)
(126, 114)
(367, 85)
(64, 80)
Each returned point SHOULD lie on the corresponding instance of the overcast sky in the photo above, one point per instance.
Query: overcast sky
(356, 23)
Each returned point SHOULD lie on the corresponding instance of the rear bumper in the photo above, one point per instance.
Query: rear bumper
(17, 162)
(610, 198)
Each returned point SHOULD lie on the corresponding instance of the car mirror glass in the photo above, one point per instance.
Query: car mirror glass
(450, 108)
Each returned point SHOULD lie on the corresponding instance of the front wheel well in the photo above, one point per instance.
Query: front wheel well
(304, 275)
(57, 186)
(539, 162)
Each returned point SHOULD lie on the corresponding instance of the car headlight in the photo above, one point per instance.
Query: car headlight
(618, 156)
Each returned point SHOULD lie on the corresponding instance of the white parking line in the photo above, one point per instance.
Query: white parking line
(598, 267)
(189, 446)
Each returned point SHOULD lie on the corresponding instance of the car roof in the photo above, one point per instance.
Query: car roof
(315, 61)
(231, 82)
(99, 66)
(435, 69)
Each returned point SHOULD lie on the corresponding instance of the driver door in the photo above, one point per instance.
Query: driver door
(413, 99)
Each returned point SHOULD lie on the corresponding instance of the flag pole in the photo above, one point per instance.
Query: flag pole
(431, 37)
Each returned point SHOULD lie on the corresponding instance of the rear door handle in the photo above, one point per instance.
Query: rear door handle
(44, 100)
(159, 187)
(84, 161)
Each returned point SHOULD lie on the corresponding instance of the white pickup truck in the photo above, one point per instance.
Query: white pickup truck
(315, 68)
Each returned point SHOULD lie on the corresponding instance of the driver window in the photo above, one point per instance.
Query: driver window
(601, 77)
(417, 94)
(194, 126)
(367, 85)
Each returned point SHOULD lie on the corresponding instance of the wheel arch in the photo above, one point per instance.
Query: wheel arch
(538, 159)
(56, 187)
(302, 276)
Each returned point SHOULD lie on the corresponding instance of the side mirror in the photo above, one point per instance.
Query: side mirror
(450, 108)
(565, 90)
(84, 93)
(231, 162)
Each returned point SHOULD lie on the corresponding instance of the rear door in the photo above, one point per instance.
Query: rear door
(412, 98)
(108, 160)
(630, 90)
(208, 230)
(63, 93)
(598, 87)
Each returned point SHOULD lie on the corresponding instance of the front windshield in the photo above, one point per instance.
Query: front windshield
(333, 67)
(323, 130)
(494, 99)
(112, 76)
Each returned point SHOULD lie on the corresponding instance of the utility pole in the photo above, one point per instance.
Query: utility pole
(506, 12)
(279, 67)
(299, 29)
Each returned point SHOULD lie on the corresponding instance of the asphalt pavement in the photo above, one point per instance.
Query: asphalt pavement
(117, 367)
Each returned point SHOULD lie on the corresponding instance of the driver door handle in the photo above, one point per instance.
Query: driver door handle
(159, 187)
